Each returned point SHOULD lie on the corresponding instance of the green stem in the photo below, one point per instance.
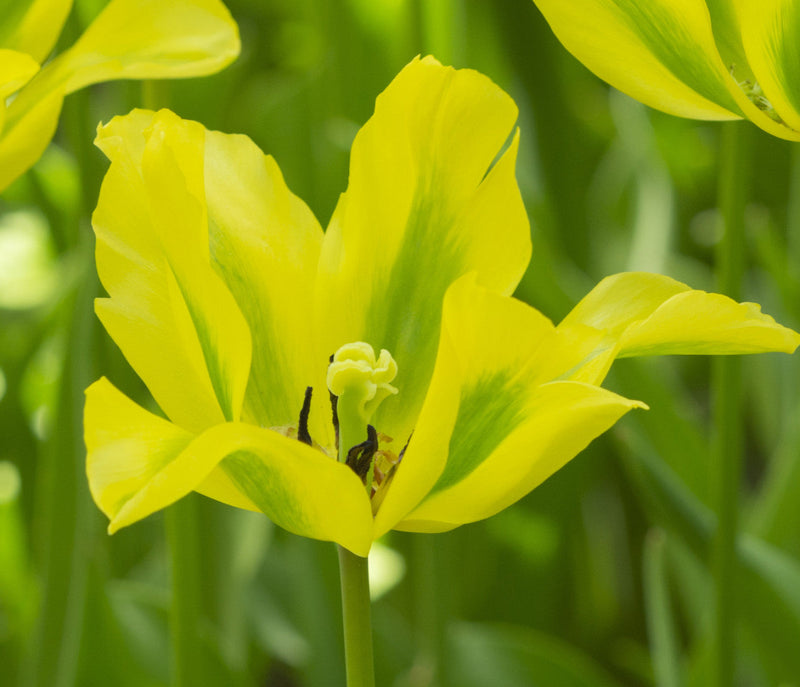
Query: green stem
(185, 610)
(661, 631)
(726, 393)
(357, 621)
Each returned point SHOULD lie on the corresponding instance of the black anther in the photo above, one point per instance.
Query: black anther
(359, 458)
(302, 425)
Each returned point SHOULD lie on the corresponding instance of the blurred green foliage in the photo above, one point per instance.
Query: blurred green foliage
(599, 577)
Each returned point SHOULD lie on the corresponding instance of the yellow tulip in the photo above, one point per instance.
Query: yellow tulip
(451, 399)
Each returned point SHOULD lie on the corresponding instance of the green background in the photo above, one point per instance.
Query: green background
(599, 577)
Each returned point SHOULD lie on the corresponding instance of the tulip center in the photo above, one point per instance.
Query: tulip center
(359, 381)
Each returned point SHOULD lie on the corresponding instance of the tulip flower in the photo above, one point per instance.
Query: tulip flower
(130, 39)
(720, 60)
(375, 376)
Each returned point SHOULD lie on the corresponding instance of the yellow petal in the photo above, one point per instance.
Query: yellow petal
(169, 312)
(16, 69)
(265, 245)
(551, 425)
(660, 52)
(33, 27)
(649, 314)
(663, 53)
(495, 353)
(771, 37)
(139, 463)
(22, 141)
(700, 323)
(150, 39)
(126, 448)
(420, 210)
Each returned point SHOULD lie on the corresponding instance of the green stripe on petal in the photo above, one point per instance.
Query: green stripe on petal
(660, 52)
(494, 352)
(139, 463)
(169, 312)
(420, 211)
(173, 175)
(265, 244)
(550, 425)
(771, 37)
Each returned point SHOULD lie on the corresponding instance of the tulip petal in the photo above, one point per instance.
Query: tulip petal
(169, 312)
(660, 52)
(139, 463)
(497, 357)
(16, 69)
(771, 37)
(514, 426)
(420, 211)
(649, 314)
(700, 323)
(22, 141)
(265, 244)
(33, 26)
(150, 39)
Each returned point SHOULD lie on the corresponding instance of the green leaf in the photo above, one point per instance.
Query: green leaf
(514, 656)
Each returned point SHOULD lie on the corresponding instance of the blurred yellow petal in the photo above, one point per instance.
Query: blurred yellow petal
(170, 313)
(22, 141)
(33, 26)
(420, 211)
(16, 69)
(139, 464)
(150, 39)
(660, 52)
(664, 54)
(771, 37)
(130, 39)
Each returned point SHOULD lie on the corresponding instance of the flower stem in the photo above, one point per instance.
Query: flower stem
(726, 385)
(357, 621)
(185, 613)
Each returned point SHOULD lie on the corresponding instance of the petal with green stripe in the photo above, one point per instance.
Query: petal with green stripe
(660, 52)
(508, 450)
(771, 37)
(265, 245)
(487, 393)
(169, 312)
(424, 205)
(139, 463)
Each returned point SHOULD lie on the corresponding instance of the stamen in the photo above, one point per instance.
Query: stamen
(302, 424)
(359, 458)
